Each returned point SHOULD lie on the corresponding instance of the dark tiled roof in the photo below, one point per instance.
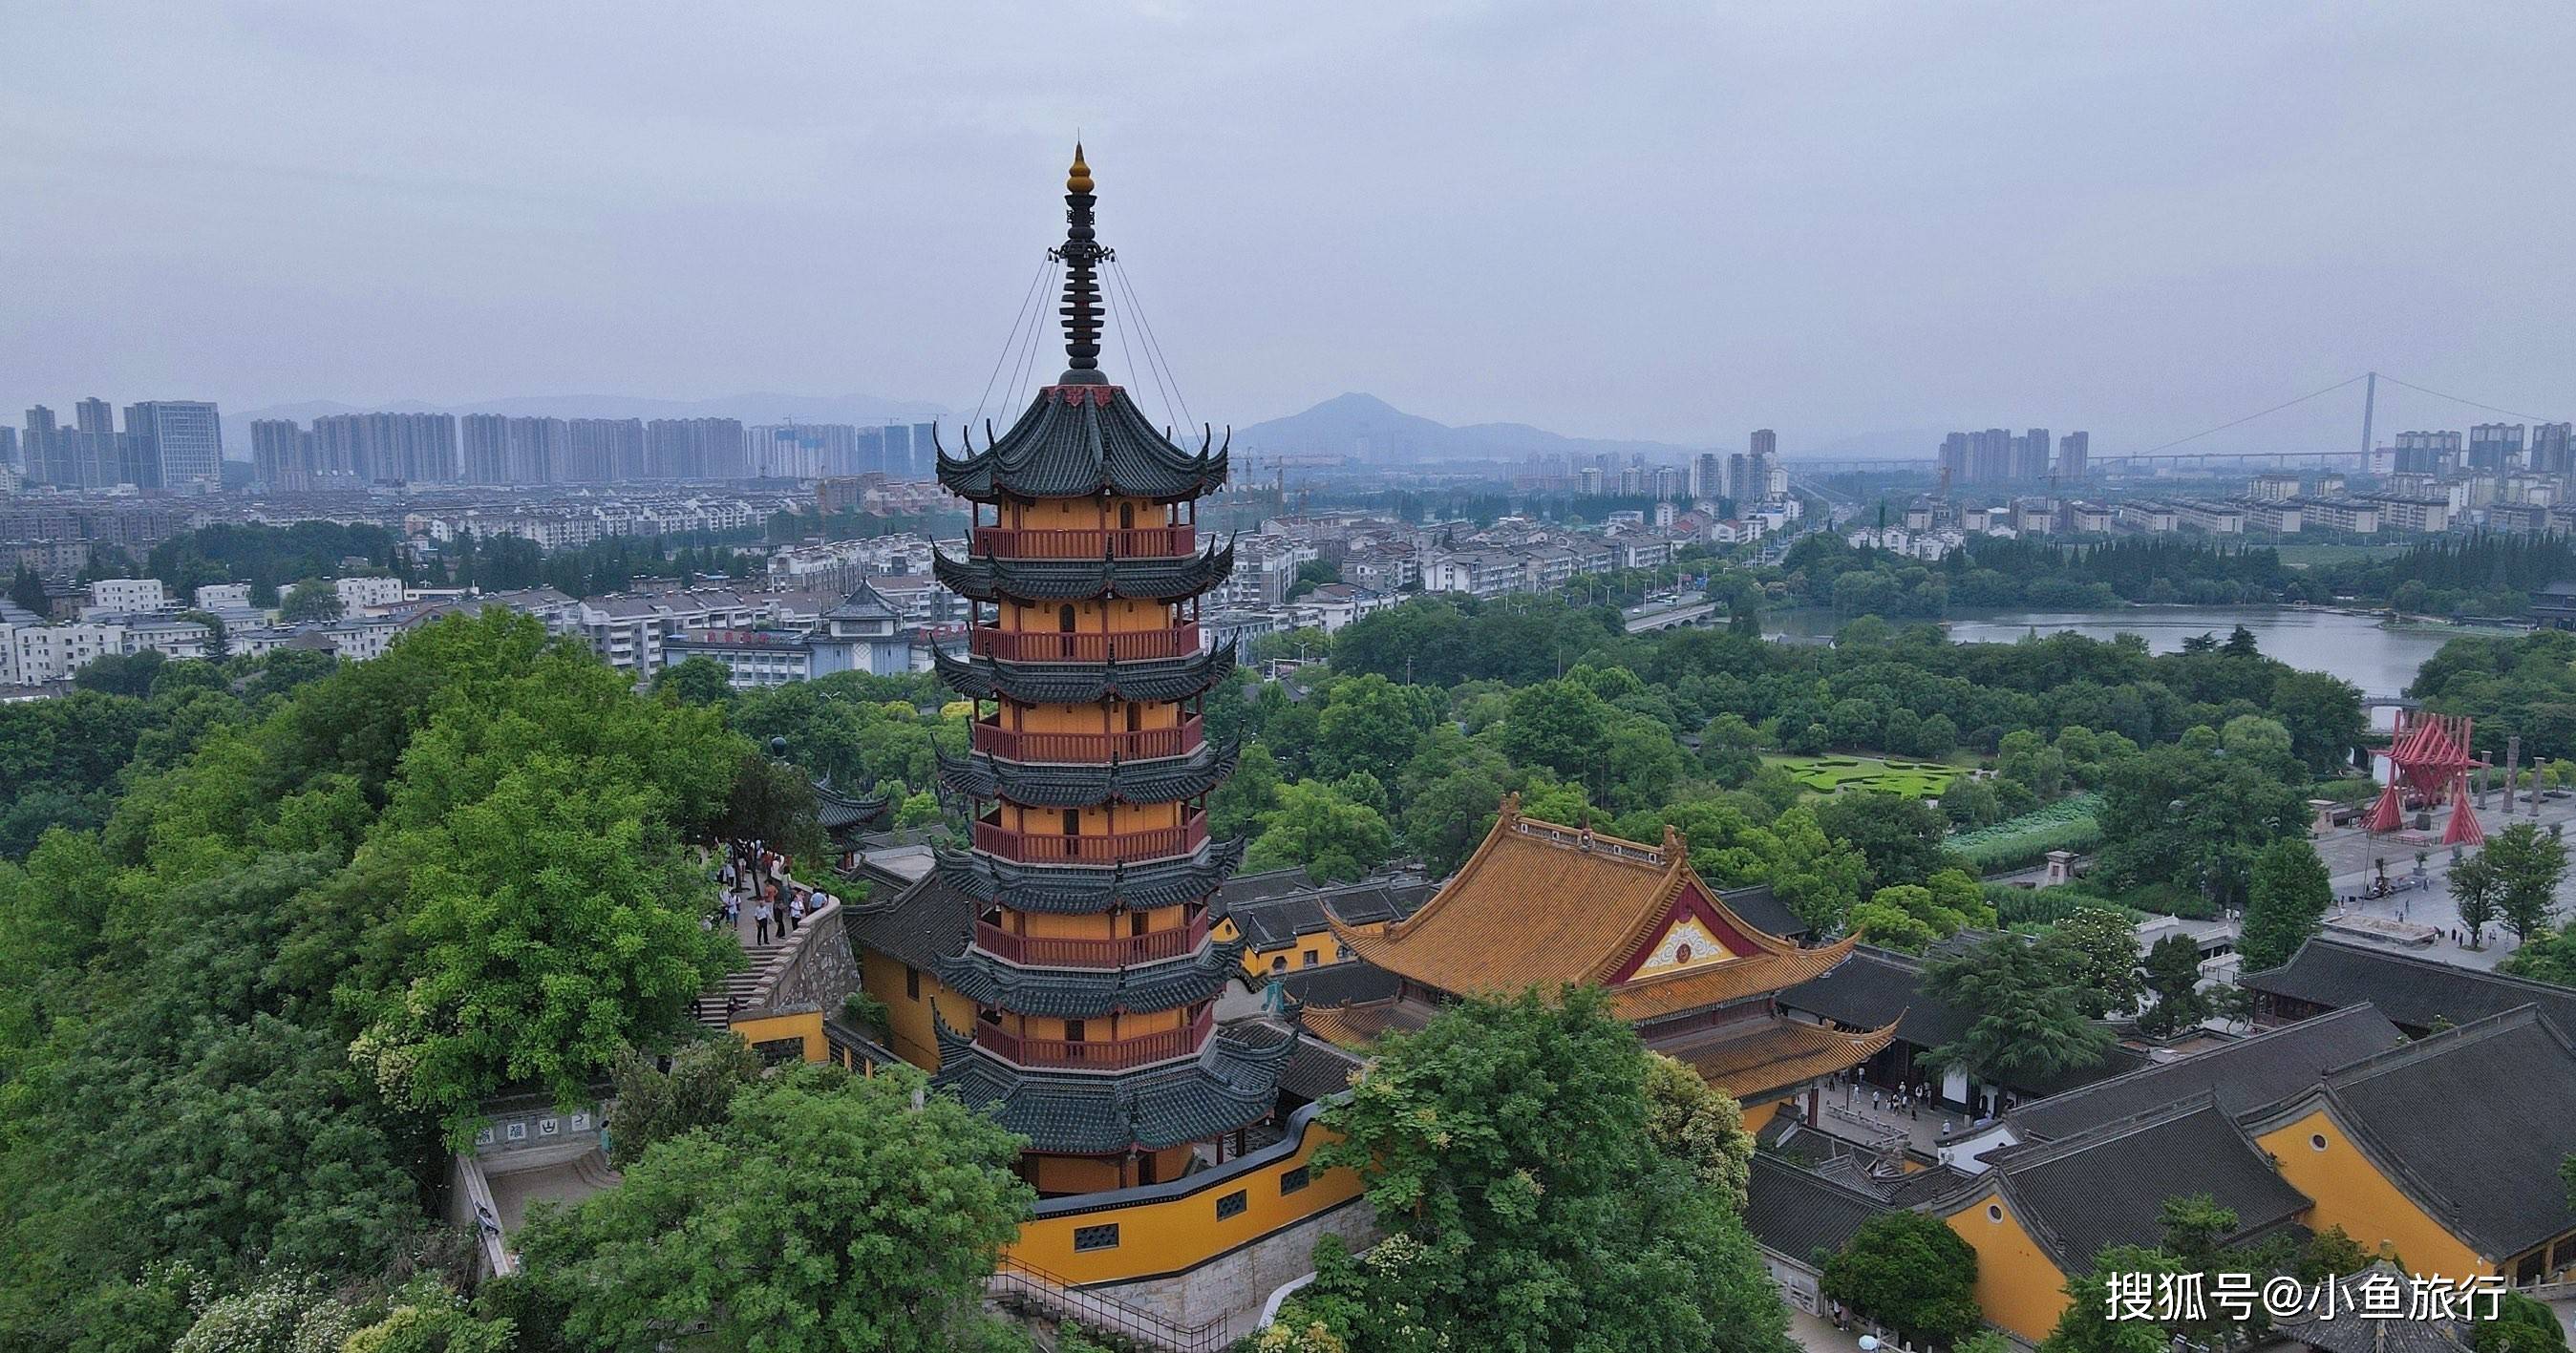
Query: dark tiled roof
(1759, 906)
(1081, 683)
(1796, 1212)
(1067, 785)
(1279, 916)
(1071, 890)
(1086, 993)
(2416, 993)
(863, 604)
(978, 578)
(922, 925)
(1318, 1069)
(2244, 1075)
(842, 814)
(1077, 440)
(1875, 986)
(1232, 1083)
(2109, 1186)
(2473, 1121)
(1339, 984)
(2349, 1330)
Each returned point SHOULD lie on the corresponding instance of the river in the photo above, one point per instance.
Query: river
(2382, 662)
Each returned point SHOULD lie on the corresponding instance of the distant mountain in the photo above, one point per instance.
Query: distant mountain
(1373, 431)
(750, 408)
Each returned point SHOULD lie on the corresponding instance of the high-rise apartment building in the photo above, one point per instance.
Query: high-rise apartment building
(498, 450)
(8, 446)
(2427, 452)
(175, 444)
(1708, 476)
(1758, 461)
(694, 448)
(94, 416)
(2074, 456)
(1996, 456)
(2495, 447)
(387, 448)
(2553, 448)
(603, 450)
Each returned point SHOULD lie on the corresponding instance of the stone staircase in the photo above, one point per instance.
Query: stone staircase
(715, 1006)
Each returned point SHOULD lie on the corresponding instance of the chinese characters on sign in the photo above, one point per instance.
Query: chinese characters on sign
(2236, 1297)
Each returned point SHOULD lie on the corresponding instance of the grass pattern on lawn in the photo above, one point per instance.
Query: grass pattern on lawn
(1834, 774)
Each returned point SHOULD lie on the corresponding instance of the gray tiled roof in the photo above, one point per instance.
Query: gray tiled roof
(863, 604)
(1875, 986)
(922, 925)
(1081, 683)
(978, 578)
(1072, 890)
(2473, 1121)
(1232, 1083)
(1066, 785)
(1087, 993)
(2108, 1186)
(840, 813)
(1071, 447)
(2244, 1075)
(1317, 1069)
(1764, 911)
(2413, 992)
(2349, 1330)
(1281, 915)
(1330, 984)
(1797, 1212)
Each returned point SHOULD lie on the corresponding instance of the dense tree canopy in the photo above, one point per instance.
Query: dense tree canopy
(1507, 1149)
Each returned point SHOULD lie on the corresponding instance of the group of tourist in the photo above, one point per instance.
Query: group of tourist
(756, 877)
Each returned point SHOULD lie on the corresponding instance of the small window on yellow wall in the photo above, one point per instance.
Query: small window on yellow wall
(912, 984)
(1994, 1212)
(1312, 958)
(2316, 1141)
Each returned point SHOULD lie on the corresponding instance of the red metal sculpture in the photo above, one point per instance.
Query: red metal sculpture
(2429, 763)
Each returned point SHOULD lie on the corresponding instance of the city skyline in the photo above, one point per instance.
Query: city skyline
(1799, 224)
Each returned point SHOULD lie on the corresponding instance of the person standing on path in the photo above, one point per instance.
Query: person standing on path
(761, 911)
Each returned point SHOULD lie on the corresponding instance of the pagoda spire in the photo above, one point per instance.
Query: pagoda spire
(1082, 254)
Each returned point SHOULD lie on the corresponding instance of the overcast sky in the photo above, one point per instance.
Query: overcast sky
(1675, 220)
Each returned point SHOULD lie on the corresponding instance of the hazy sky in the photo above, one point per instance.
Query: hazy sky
(1674, 220)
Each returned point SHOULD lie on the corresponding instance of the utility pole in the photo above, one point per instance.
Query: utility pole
(2369, 406)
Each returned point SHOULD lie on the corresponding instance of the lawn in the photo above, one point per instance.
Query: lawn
(1834, 774)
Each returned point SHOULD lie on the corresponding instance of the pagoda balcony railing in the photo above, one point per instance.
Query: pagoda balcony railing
(1144, 744)
(1097, 1055)
(1178, 641)
(1136, 542)
(1054, 951)
(1152, 843)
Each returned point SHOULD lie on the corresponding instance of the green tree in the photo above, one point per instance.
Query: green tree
(1911, 1272)
(2026, 1020)
(1506, 1150)
(2285, 903)
(27, 589)
(695, 680)
(312, 599)
(1560, 725)
(1247, 796)
(1320, 829)
(2475, 890)
(2086, 1326)
(1899, 835)
(2521, 1325)
(1915, 916)
(1730, 750)
(2098, 949)
(1692, 1121)
(2172, 974)
(774, 802)
(697, 1091)
(825, 1213)
(1370, 724)
(2528, 864)
(2195, 813)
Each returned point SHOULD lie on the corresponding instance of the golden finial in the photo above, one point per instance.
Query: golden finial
(1078, 179)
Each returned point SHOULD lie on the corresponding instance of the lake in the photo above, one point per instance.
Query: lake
(2382, 662)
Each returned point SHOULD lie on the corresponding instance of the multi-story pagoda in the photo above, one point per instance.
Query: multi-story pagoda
(1090, 965)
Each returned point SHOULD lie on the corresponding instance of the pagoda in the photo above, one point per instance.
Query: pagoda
(1090, 965)
(1544, 905)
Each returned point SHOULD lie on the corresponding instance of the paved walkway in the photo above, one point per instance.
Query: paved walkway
(2351, 857)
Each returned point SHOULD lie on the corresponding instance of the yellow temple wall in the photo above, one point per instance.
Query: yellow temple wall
(1170, 1234)
(2350, 1192)
(2018, 1286)
(908, 1030)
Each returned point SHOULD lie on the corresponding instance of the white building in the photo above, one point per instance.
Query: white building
(359, 595)
(223, 597)
(126, 596)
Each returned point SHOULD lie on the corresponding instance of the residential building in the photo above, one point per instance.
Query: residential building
(221, 597)
(176, 444)
(2432, 453)
(2495, 447)
(360, 595)
(127, 595)
(2074, 457)
(384, 448)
